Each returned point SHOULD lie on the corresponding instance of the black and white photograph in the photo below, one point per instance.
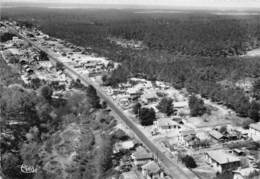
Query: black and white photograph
(130, 89)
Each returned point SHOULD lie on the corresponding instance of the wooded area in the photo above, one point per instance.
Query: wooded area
(196, 51)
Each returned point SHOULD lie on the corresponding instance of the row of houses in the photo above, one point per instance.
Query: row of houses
(141, 159)
(144, 160)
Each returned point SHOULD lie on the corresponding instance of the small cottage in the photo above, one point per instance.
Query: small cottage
(217, 135)
(166, 125)
(151, 170)
(141, 156)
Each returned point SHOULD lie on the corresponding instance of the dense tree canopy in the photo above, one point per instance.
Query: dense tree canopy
(93, 98)
(6, 36)
(43, 56)
(166, 106)
(254, 111)
(119, 75)
(196, 106)
(46, 92)
(189, 161)
(146, 116)
(105, 154)
(256, 89)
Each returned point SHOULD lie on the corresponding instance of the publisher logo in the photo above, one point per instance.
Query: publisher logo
(28, 169)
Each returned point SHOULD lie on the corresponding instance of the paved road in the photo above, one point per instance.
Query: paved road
(173, 169)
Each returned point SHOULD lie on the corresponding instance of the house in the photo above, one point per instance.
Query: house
(124, 102)
(149, 96)
(195, 139)
(217, 135)
(246, 173)
(151, 170)
(184, 135)
(141, 156)
(222, 161)
(133, 92)
(254, 131)
(166, 125)
(180, 105)
(126, 145)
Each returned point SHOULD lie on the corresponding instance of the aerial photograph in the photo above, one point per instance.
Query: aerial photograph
(130, 89)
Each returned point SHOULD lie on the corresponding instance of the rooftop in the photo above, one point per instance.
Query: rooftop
(222, 157)
(150, 94)
(215, 134)
(180, 104)
(141, 154)
(151, 167)
(166, 122)
(125, 145)
(129, 175)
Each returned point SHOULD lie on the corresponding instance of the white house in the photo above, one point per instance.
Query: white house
(246, 173)
(166, 125)
(125, 145)
(254, 131)
(222, 161)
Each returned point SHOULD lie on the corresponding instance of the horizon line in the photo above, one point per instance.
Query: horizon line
(28, 3)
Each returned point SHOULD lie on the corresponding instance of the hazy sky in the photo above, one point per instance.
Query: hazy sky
(193, 3)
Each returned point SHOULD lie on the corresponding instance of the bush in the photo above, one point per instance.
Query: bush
(59, 66)
(189, 161)
(46, 92)
(43, 56)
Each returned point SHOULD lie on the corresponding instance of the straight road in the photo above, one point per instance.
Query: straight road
(173, 169)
